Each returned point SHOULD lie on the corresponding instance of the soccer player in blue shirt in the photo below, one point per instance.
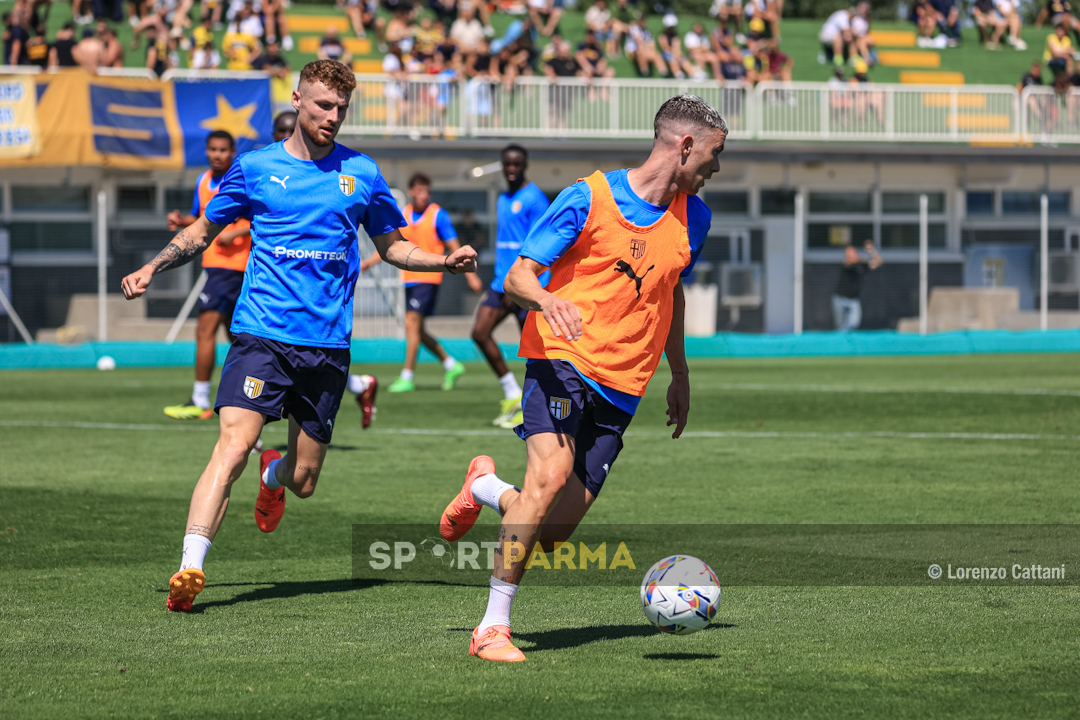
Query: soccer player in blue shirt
(517, 212)
(306, 197)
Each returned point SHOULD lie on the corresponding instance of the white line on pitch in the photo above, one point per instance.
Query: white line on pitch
(769, 387)
(719, 434)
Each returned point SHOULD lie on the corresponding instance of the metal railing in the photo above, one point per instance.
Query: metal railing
(624, 108)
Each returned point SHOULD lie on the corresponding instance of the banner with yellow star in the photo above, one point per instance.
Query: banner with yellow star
(85, 120)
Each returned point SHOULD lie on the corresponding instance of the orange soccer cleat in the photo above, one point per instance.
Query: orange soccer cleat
(494, 644)
(270, 505)
(461, 513)
(366, 401)
(183, 587)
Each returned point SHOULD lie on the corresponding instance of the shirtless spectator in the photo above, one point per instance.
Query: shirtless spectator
(331, 48)
(89, 52)
(397, 30)
(277, 25)
(641, 50)
(114, 49)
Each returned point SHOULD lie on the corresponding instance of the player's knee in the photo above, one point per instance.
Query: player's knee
(480, 337)
(547, 486)
(234, 452)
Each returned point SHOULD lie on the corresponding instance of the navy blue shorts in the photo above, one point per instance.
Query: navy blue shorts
(281, 380)
(420, 298)
(221, 290)
(499, 301)
(556, 400)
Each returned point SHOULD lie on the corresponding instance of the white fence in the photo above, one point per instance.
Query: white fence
(624, 109)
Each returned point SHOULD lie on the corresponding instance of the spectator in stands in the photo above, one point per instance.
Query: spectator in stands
(1007, 10)
(590, 58)
(284, 125)
(82, 12)
(239, 47)
(117, 7)
(60, 54)
(445, 10)
(1058, 54)
(427, 38)
(478, 63)
(847, 306)
(1031, 77)
(394, 92)
(699, 49)
(641, 50)
(37, 48)
(211, 10)
(545, 15)
(729, 11)
(768, 13)
(990, 23)
(272, 62)
(862, 40)
(277, 24)
(467, 32)
(158, 58)
(561, 97)
(925, 18)
(598, 21)
(89, 52)
(113, 55)
(1059, 11)
(361, 14)
(331, 48)
(728, 53)
(18, 37)
(248, 21)
(948, 20)
(672, 52)
(204, 56)
(836, 36)
(867, 99)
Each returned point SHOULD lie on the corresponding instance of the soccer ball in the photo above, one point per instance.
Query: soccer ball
(680, 594)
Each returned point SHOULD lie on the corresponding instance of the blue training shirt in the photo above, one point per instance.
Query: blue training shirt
(563, 222)
(443, 228)
(299, 283)
(516, 215)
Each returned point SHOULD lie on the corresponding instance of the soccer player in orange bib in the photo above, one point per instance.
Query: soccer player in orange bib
(223, 262)
(618, 245)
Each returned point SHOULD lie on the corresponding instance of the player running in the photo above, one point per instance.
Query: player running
(517, 211)
(223, 262)
(618, 245)
(306, 197)
(429, 227)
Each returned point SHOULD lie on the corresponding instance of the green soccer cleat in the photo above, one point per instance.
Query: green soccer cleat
(401, 385)
(189, 411)
(513, 422)
(452, 375)
(507, 409)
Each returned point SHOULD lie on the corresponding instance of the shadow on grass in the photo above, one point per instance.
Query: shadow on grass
(565, 638)
(681, 656)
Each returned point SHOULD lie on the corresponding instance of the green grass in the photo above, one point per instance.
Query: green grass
(980, 66)
(91, 520)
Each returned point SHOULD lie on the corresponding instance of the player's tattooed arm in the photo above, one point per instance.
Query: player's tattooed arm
(185, 246)
(401, 253)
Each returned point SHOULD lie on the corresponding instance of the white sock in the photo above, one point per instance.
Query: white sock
(500, 598)
(510, 387)
(200, 394)
(358, 384)
(448, 363)
(406, 374)
(487, 489)
(195, 547)
(269, 478)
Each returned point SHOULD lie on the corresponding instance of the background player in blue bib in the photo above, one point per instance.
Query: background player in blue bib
(306, 197)
(517, 211)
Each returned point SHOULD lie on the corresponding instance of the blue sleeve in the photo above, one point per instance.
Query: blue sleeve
(231, 201)
(559, 227)
(195, 207)
(698, 221)
(382, 214)
(444, 227)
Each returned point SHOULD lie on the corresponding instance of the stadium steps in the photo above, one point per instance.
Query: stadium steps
(916, 77)
(910, 58)
(356, 46)
(893, 38)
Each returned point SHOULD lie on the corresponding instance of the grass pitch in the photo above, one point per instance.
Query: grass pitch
(95, 481)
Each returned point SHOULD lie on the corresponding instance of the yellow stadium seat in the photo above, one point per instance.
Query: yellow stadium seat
(367, 66)
(914, 77)
(910, 58)
(318, 23)
(964, 102)
(961, 121)
(893, 38)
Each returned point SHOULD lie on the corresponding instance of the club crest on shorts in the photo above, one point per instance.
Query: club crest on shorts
(253, 387)
(559, 408)
(637, 248)
(347, 183)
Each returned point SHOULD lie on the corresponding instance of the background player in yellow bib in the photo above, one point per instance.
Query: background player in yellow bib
(430, 228)
(618, 245)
